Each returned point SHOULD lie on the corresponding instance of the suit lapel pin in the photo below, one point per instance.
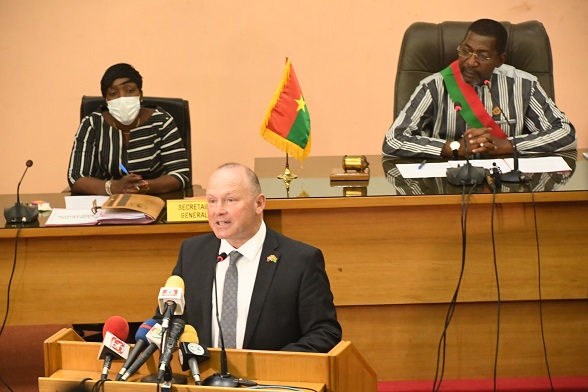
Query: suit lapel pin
(272, 258)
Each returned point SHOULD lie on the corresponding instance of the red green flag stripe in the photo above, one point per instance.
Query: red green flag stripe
(287, 122)
(473, 112)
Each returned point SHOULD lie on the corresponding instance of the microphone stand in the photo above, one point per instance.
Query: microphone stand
(224, 378)
(465, 174)
(19, 212)
(167, 380)
(515, 175)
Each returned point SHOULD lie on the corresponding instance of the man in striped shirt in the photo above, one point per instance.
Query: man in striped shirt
(433, 118)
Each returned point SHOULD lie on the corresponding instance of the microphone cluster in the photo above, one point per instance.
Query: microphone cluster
(173, 333)
(152, 337)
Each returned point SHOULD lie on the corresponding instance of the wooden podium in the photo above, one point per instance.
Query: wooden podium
(69, 359)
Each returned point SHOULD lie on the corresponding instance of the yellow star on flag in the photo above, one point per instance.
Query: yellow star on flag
(301, 104)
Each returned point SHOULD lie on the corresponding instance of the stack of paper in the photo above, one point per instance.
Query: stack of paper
(121, 209)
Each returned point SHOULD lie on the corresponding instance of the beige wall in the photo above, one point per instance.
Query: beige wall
(226, 58)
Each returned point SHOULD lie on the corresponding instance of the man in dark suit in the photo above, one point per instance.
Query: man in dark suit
(284, 297)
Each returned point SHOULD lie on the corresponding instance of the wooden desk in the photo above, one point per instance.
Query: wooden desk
(393, 262)
(69, 360)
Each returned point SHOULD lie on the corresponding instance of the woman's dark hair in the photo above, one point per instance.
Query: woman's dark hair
(118, 71)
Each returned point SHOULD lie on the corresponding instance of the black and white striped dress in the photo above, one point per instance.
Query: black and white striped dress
(155, 148)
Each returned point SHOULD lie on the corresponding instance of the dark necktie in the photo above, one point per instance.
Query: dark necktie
(229, 312)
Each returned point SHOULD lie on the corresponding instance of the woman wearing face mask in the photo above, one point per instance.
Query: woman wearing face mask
(123, 135)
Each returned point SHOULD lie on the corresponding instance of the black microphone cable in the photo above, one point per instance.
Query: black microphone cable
(99, 385)
(539, 289)
(20, 226)
(493, 188)
(441, 348)
(6, 384)
(11, 276)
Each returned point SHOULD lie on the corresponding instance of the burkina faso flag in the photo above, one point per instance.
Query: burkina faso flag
(287, 123)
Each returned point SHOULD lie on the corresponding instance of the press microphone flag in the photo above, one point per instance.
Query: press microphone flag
(191, 354)
(155, 335)
(115, 332)
(171, 299)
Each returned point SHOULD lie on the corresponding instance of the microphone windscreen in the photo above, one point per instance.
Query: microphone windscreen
(188, 337)
(175, 281)
(144, 330)
(117, 326)
(221, 257)
(29, 163)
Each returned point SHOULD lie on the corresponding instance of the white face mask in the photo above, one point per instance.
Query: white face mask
(125, 109)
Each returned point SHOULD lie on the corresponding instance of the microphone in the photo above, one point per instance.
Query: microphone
(115, 332)
(222, 379)
(465, 174)
(20, 212)
(515, 175)
(176, 329)
(191, 353)
(141, 343)
(171, 299)
(154, 338)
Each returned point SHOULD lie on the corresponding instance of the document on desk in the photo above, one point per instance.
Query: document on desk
(541, 164)
(418, 170)
(70, 217)
(84, 202)
(526, 165)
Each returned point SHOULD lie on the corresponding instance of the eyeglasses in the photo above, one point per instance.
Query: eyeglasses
(466, 54)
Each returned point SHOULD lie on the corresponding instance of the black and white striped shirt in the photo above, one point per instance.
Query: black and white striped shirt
(155, 148)
(429, 119)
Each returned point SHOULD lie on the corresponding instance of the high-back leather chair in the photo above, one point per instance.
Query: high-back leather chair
(429, 47)
(177, 107)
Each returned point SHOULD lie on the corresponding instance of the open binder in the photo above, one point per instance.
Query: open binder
(120, 209)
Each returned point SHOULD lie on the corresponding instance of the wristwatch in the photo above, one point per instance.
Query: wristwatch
(454, 145)
(107, 187)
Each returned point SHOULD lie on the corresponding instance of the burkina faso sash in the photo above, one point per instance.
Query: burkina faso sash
(472, 109)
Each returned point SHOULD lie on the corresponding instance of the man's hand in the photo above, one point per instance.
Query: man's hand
(480, 140)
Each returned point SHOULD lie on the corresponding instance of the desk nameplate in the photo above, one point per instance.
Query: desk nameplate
(187, 210)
